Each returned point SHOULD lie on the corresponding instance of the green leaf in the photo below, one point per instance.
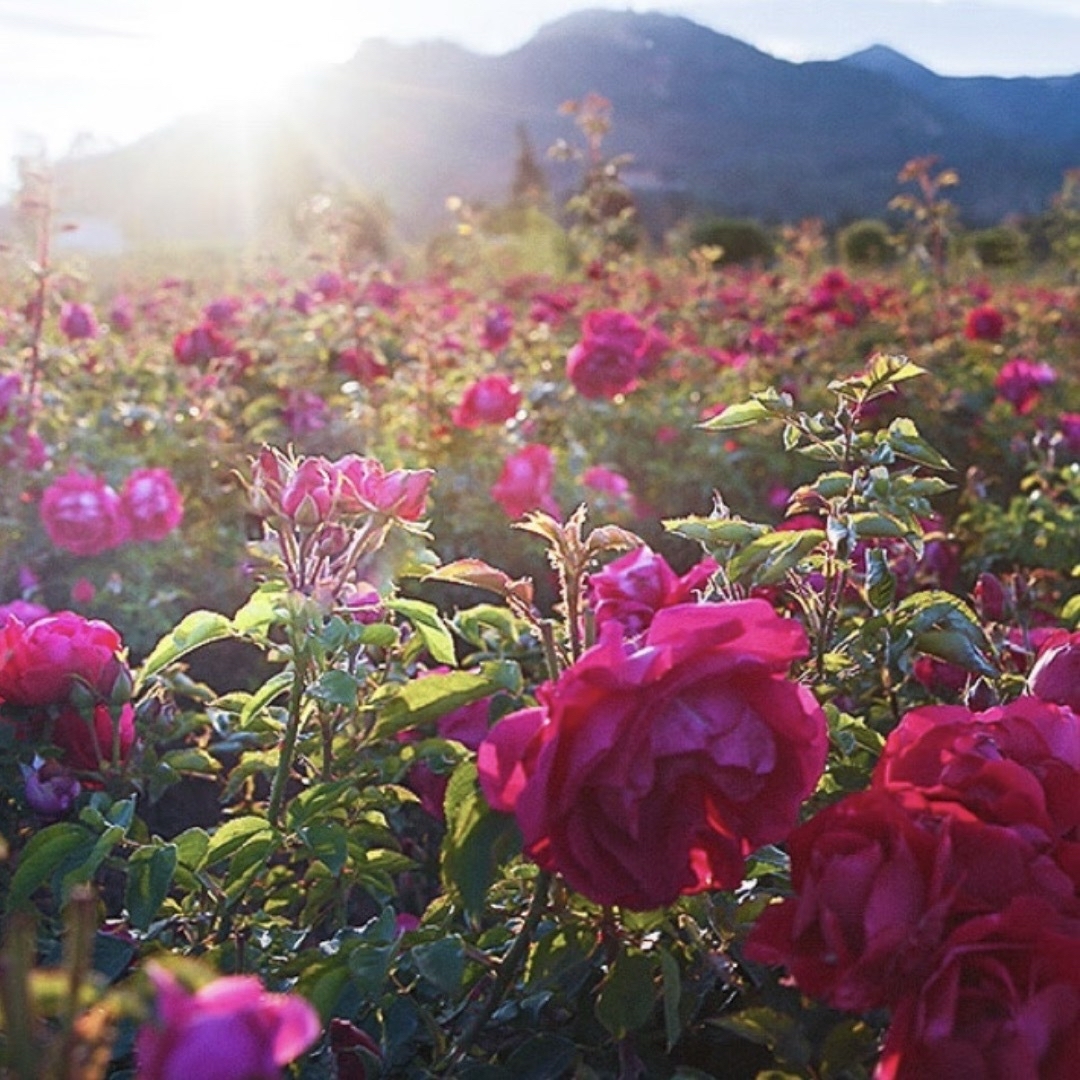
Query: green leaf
(192, 760)
(46, 854)
(231, 836)
(442, 962)
(768, 559)
(740, 415)
(671, 984)
(781, 1033)
(193, 631)
(627, 995)
(262, 611)
(277, 684)
(87, 867)
(150, 873)
(541, 1058)
(409, 704)
(477, 843)
(714, 532)
(880, 581)
(903, 436)
(336, 687)
(436, 635)
(328, 843)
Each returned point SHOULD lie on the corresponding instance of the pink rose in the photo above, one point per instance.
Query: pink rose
(94, 744)
(151, 504)
(200, 344)
(635, 586)
(310, 495)
(77, 321)
(491, 400)
(41, 663)
(82, 514)
(652, 769)
(606, 361)
(230, 1029)
(1020, 382)
(1056, 674)
(1002, 1001)
(24, 610)
(368, 487)
(498, 325)
(526, 482)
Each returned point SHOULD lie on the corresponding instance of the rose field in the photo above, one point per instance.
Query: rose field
(552, 653)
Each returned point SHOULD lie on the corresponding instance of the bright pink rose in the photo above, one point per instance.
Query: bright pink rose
(41, 663)
(230, 1029)
(1003, 1003)
(1056, 674)
(367, 486)
(635, 586)
(1016, 765)
(652, 769)
(200, 344)
(82, 514)
(304, 412)
(869, 905)
(24, 610)
(77, 321)
(491, 400)
(151, 504)
(94, 745)
(1020, 382)
(526, 482)
(310, 495)
(984, 323)
(606, 361)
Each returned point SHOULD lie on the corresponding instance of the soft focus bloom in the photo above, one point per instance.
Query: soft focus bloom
(230, 1029)
(50, 789)
(151, 504)
(92, 744)
(634, 587)
(26, 611)
(41, 663)
(498, 325)
(613, 353)
(78, 321)
(526, 482)
(1020, 382)
(83, 591)
(612, 486)
(1069, 433)
(493, 399)
(121, 315)
(200, 344)
(304, 412)
(362, 365)
(653, 768)
(1003, 1003)
(984, 323)
(1056, 673)
(10, 391)
(82, 514)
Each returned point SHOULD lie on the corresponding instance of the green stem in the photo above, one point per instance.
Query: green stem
(292, 732)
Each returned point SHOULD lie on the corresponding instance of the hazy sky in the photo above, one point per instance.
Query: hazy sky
(117, 69)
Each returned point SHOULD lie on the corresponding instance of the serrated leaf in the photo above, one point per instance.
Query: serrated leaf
(768, 559)
(277, 684)
(481, 575)
(193, 631)
(441, 962)
(328, 843)
(45, 855)
(627, 996)
(336, 687)
(429, 624)
(740, 415)
(671, 995)
(903, 436)
(231, 836)
(715, 533)
(192, 761)
(150, 873)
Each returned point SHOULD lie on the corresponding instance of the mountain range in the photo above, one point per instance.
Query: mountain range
(710, 124)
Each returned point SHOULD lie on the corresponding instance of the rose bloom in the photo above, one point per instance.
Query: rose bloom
(526, 482)
(1056, 674)
(1020, 382)
(605, 362)
(230, 1029)
(40, 663)
(984, 323)
(634, 587)
(368, 487)
(493, 399)
(151, 503)
(1016, 765)
(200, 344)
(26, 611)
(93, 745)
(310, 494)
(1003, 1003)
(497, 327)
(78, 322)
(82, 514)
(652, 769)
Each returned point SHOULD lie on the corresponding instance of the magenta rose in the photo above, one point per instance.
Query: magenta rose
(309, 494)
(1003, 1001)
(200, 344)
(652, 769)
(78, 321)
(41, 663)
(526, 482)
(94, 744)
(493, 399)
(870, 903)
(984, 323)
(230, 1029)
(151, 503)
(1020, 382)
(82, 514)
(635, 586)
(606, 361)
(1055, 675)
(1016, 765)
(368, 487)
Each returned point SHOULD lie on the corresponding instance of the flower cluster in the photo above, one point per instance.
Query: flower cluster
(83, 514)
(949, 892)
(614, 352)
(653, 766)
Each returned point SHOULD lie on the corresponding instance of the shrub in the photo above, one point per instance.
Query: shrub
(1001, 245)
(740, 240)
(867, 243)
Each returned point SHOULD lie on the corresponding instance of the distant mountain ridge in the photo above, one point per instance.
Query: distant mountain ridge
(712, 124)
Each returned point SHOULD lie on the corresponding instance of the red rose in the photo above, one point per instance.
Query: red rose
(606, 360)
(635, 586)
(151, 504)
(491, 400)
(870, 904)
(1056, 673)
(94, 744)
(1003, 1001)
(653, 769)
(42, 662)
(984, 323)
(82, 514)
(1016, 765)
(526, 482)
